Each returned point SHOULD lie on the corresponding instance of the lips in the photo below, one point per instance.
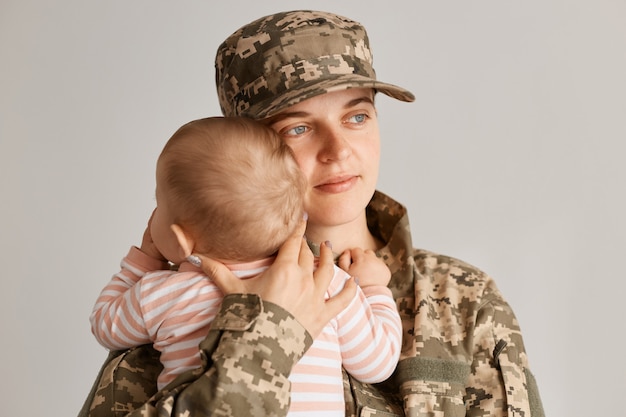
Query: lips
(338, 184)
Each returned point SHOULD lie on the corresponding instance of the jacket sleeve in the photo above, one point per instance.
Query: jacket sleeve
(500, 380)
(247, 357)
(464, 355)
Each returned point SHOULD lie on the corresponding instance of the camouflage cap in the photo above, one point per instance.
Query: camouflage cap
(282, 59)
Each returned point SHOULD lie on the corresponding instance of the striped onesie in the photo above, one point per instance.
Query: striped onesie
(145, 303)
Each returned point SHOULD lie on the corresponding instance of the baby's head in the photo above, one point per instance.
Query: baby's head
(231, 186)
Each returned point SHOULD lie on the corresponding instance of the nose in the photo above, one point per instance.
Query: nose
(335, 147)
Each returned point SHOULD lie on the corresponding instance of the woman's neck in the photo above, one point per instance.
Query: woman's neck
(350, 235)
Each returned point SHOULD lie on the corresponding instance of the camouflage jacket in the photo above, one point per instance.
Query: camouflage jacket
(462, 354)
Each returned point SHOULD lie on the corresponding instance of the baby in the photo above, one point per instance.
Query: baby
(230, 189)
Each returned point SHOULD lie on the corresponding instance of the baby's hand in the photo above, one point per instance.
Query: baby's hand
(147, 245)
(365, 266)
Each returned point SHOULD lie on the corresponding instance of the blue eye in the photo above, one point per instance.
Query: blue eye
(358, 118)
(298, 130)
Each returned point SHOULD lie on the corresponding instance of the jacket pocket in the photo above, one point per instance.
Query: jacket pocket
(515, 379)
(432, 386)
(371, 400)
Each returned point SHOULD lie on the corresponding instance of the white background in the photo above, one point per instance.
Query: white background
(511, 158)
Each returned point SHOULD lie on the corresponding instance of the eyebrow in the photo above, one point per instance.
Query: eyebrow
(295, 114)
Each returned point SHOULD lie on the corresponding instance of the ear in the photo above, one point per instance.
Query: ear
(185, 241)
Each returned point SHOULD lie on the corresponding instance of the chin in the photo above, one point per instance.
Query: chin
(337, 209)
(334, 215)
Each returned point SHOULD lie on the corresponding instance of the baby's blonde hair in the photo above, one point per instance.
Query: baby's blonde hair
(233, 185)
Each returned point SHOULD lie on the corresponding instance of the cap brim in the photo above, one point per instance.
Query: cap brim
(271, 107)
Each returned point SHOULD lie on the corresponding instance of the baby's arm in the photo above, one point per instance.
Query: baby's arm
(365, 266)
(370, 334)
(116, 319)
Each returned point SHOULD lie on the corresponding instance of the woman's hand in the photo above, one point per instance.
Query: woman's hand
(291, 283)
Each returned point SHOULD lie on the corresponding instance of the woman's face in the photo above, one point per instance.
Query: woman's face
(336, 142)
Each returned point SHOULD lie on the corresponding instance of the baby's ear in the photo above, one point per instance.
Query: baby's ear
(185, 241)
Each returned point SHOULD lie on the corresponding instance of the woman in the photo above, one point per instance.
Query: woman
(309, 76)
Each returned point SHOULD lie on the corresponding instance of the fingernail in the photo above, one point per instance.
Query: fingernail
(194, 260)
(305, 216)
(328, 244)
(356, 280)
